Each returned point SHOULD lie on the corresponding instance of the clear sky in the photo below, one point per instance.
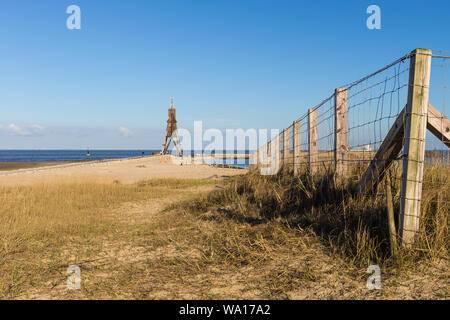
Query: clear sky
(233, 64)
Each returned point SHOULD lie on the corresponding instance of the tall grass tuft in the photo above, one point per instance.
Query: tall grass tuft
(353, 226)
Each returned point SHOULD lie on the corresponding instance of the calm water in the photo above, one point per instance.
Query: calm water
(67, 155)
(441, 156)
(77, 155)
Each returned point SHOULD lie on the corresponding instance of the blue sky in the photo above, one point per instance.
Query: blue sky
(233, 64)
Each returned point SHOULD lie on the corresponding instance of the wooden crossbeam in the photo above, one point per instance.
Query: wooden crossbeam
(387, 153)
(438, 125)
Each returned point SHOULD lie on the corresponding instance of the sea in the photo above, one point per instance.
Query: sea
(81, 155)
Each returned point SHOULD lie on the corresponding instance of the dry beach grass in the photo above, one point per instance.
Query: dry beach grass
(217, 237)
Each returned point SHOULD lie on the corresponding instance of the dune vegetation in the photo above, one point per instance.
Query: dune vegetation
(248, 236)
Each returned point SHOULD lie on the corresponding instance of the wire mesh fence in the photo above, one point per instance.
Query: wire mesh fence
(437, 156)
(377, 126)
(374, 103)
(437, 146)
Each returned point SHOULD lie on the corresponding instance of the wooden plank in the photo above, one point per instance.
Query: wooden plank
(286, 147)
(439, 125)
(388, 151)
(340, 132)
(296, 142)
(313, 152)
(414, 146)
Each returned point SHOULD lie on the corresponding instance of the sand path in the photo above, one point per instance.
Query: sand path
(121, 170)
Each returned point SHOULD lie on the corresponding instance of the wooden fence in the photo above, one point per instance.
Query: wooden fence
(377, 120)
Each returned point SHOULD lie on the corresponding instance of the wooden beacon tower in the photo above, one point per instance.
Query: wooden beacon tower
(171, 132)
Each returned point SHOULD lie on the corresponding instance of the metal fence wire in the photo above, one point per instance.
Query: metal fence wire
(391, 121)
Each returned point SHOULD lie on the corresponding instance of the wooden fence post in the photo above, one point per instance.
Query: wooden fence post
(258, 160)
(253, 160)
(286, 147)
(390, 215)
(296, 138)
(265, 155)
(279, 148)
(275, 152)
(414, 145)
(340, 132)
(313, 153)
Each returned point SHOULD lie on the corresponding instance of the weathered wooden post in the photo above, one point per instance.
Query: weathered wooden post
(279, 148)
(262, 156)
(414, 145)
(313, 152)
(258, 160)
(275, 153)
(286, 147)
(296, 138)
(340, 132)
(251, 164)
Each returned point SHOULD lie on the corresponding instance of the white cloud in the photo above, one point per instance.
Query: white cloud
(125, 132)
(37, 127)
(15, 130)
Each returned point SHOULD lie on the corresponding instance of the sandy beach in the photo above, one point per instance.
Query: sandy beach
(125, 171)
(17, 165)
